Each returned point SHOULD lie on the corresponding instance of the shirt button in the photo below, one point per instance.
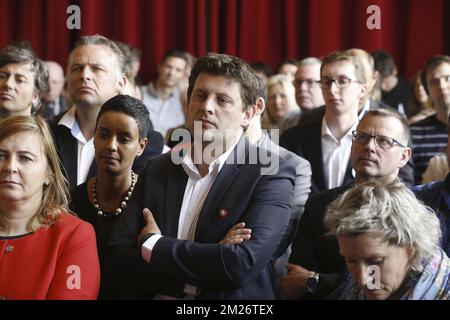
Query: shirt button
(9, 248)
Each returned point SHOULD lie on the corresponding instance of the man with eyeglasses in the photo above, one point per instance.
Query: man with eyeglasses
(378, 151)
(429, 136)
(325, 141)
(308, 93)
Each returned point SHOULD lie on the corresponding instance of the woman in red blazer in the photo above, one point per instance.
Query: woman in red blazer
(45, 252)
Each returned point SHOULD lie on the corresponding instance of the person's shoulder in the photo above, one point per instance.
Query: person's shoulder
(430, 120)
(313, 115)
(293, 158)
(327, 196)
(425, 190)
(66, 225)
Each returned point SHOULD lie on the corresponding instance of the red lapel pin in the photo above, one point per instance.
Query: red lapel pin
(223, 213)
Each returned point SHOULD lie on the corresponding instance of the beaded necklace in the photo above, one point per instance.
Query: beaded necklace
(123, 203)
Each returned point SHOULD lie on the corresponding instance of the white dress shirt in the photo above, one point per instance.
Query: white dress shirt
(336, 155)
(86, 151)
(195, 193)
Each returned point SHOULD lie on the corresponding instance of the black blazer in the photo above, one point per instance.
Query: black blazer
(242, 271)
(313, 249)
(67, 148)
(305, 140)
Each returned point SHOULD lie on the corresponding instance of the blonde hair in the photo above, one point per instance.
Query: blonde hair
(391, 212)
(55, 198)
(289, 91)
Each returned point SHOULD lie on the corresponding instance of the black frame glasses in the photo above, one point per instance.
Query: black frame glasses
(383, 142)
(341, 82)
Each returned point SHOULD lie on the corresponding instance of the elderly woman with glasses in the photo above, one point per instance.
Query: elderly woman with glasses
(390, 243)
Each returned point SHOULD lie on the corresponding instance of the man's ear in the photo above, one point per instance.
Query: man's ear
(142, 145)
(121, 84)
(363, 91)
(248, 115)
(260, 106)
(406, 155)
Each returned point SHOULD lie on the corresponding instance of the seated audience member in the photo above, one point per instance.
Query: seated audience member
(288, 67)
(325, 140)
(395, 91)
(162, 96)
(378, 152)
(52, 100)
(419, 106)
(46, 253)
(119, 138)
(262, 70)
(429, 136)
(390, 244)
(104, 64)
(437, 196)
(308, 93)
(280, 101)
(131, 88)
(169, 242)
(23, 77)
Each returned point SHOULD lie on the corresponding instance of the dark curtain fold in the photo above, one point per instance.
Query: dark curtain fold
(265, 30)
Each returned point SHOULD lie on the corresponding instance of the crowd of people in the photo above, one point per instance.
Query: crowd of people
(220, 180)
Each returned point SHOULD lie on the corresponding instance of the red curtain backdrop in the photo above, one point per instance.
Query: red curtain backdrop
(265, 30)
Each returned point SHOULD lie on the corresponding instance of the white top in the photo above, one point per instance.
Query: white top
(86, 151)
(164, 114)
(335, 155)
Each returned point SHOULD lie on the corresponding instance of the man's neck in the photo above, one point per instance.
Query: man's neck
(162, 91)
(382, 180)
(203, 154)
(340, 124)
(87, 118)
(254, 131)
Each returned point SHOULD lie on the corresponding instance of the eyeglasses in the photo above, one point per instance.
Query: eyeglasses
(341, 82)
(309, 82)
(383, 142)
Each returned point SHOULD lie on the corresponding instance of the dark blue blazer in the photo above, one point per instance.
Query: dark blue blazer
(242, 271)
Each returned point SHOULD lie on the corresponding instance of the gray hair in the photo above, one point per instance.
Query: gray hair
(389, 112)
(309, 61)
(391, 212)
(100, 40)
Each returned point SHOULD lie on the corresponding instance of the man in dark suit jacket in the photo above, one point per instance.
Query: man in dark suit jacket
(306, 139)
(187, 246)
(316, 263)
(325, 141)
(95, 73)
